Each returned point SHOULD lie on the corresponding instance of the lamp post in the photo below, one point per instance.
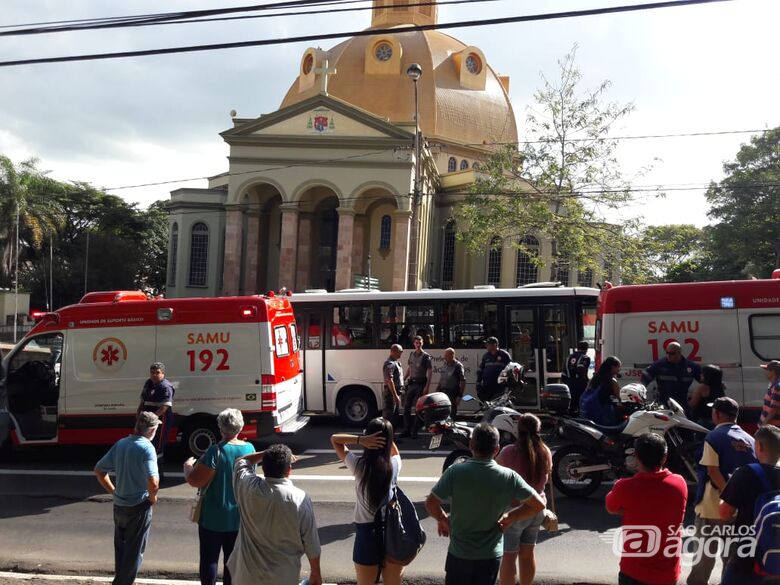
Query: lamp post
(414, 72)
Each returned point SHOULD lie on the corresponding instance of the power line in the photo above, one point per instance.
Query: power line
(363, 33)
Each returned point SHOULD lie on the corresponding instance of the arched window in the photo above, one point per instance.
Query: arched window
(559, 271)
(448, 256)
(464, 165)
(199, 255)
(585, 277)
(452, 165)
(527, 272)
(174, 254)
(385, 229)
(494, 262)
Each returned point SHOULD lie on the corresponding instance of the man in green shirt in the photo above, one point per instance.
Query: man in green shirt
(480, 492)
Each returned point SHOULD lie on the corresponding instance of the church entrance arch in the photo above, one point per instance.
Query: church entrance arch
(261, 241)
(376, 230)
(327, 245)
(318, 238)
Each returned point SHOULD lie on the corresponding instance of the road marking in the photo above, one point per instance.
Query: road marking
(296, 477)
(41, 577)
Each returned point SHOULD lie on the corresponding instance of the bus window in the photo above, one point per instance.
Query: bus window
(352, 326)
(558, 339)
(401, 323)
(469, 324)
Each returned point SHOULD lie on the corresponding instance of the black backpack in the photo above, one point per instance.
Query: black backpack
(399, 533)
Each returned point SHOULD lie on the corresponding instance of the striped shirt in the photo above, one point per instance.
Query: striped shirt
(771, 401)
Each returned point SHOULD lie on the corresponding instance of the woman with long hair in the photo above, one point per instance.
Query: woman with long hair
(219, 519)
(710, 389)
(375, 472)
(531, 458)
(598, 400)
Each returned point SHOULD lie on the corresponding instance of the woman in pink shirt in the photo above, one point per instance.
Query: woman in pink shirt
(532, 459)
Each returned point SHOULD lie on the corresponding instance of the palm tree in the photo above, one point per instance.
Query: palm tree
(24, 190)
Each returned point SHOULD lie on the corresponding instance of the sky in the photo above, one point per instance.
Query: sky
(125, 122)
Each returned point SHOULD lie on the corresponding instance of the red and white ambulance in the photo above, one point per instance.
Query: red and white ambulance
(732, 324)
(76, 377)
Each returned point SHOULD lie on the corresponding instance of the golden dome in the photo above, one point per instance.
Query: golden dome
(462, 100)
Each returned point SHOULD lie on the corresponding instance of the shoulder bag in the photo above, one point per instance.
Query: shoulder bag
(196, 507)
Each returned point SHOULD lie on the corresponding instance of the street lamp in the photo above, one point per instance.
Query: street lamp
(414, 72)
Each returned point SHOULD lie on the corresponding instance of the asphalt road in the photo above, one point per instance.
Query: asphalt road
(55, 519)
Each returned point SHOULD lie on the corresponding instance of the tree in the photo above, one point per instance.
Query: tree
(563, 184)
(745, 241)
(154, 256)
(672, 253)
(26, 191)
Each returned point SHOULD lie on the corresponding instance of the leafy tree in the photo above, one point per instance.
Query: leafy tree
(154, 256)
(26, 191)
(745, 241)
(672, 252)
(562, 185)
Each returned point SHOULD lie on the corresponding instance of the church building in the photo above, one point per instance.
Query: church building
(320, 194)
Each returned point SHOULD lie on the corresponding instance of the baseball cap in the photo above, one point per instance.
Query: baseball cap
(491, 340)
(725, 405)
(772, 366)
(147, 420)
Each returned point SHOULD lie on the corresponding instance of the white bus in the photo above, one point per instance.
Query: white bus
(346, 337)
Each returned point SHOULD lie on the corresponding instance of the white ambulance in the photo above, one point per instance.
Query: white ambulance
(76, 377)
(733, 324)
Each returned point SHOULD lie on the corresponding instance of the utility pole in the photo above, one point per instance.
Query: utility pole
(16, 271)
(86, 263)
(414, 72)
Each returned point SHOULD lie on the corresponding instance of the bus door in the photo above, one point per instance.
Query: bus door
(539, 339)
(311, 323)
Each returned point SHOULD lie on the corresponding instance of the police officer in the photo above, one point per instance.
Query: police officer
(392, 374)
(576, 374)
(490, 367)
(452, 379)
(418, 382)
(157, 397)
(673, 374)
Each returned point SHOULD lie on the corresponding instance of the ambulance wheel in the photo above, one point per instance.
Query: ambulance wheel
(199, 435)
(356, 407)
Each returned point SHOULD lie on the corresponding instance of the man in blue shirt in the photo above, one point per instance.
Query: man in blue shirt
(134, 461)
(673, 374)
(157, 397)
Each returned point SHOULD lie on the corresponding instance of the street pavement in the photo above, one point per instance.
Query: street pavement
(55, 519)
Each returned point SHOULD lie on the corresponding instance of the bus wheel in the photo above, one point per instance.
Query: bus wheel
(199, 435)
(356, 407)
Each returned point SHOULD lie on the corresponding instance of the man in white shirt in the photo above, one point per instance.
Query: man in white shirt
(277, 523)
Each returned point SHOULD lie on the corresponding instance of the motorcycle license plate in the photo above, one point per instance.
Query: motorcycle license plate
(435, 442)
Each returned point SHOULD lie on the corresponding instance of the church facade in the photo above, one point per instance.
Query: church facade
(319, 194)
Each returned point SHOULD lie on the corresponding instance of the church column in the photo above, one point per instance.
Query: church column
(288, 250)
(358, 264)
(231, 271)
(303, 276)
(252, 252)
(344, 250)
(402, 221)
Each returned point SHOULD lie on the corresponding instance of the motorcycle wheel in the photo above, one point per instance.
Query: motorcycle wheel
(457, 456)
(569, 483)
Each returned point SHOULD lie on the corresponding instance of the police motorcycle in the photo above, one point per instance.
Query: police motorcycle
(434, 411)
(591, 450)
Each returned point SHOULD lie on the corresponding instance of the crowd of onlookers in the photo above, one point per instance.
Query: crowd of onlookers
(491, 507)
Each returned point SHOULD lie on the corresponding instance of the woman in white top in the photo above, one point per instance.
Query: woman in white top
(376, 472)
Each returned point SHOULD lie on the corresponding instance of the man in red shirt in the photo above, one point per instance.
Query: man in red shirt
(652, 504)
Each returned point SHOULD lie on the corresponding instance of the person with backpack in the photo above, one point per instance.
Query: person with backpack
(752, 498)
(376, 473)
(598, 401)
(532, 459)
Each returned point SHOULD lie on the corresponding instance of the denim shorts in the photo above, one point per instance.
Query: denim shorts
(365, 551)
(522, 532)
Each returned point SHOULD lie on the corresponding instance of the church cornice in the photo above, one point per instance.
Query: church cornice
(317, 163)
(353, 142)
(319, 100)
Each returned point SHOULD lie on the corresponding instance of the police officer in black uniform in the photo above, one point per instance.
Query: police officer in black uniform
(576, 374)
(157, 397)
(673, 374)
(490, 367)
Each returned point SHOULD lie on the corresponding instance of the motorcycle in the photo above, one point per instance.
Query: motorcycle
(591, 450)
(434, 410)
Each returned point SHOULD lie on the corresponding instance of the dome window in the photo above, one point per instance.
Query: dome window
(308, 64)
(474, 64)
(383, 52)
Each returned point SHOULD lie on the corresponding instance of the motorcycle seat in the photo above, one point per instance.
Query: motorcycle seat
(606, 429)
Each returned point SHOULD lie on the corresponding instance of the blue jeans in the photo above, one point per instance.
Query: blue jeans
(211, 543)
(471, 572)
(131, 531)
